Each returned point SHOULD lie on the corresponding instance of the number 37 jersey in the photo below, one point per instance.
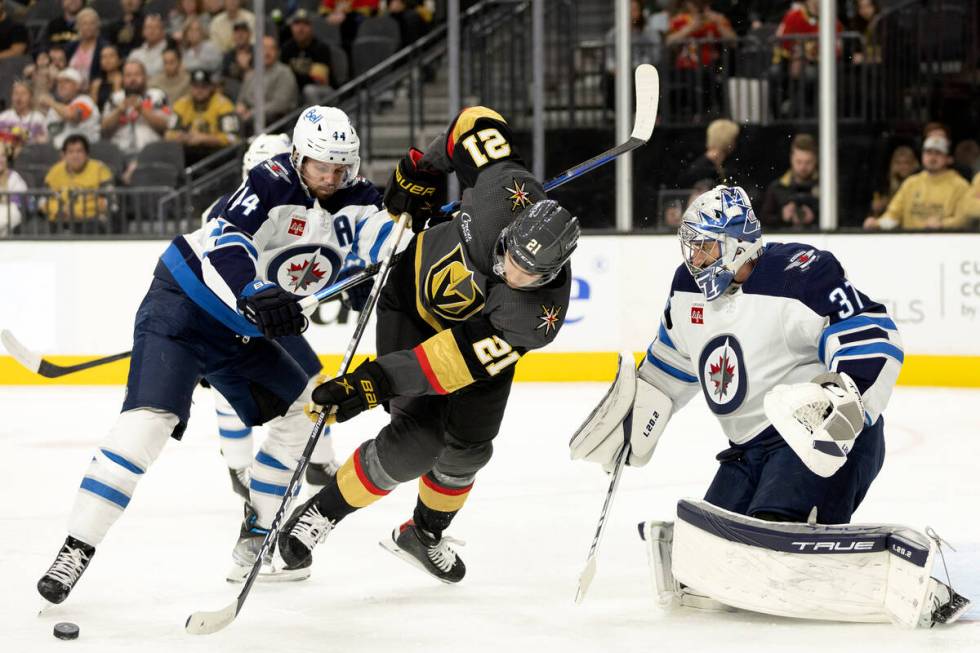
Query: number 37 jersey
(796, 316)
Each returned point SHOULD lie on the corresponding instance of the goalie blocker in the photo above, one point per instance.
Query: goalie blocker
(712, 558)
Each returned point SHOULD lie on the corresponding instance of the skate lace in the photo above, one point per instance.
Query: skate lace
(312, 527)
(68, 566)
(442, 555)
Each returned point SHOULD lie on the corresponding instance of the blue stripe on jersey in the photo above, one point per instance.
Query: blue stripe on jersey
(875, 348)
(671, 370)
(267, 488)
(235, 238)
(268, 460)
(201, 295)
(99, 488)
(235, 434)
(664, 338)
(379, 241)
(122, 462)
(852, 323)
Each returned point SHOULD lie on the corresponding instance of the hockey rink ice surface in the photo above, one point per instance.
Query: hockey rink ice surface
(528, 525)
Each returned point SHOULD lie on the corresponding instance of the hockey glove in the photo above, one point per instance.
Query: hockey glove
(414, 188)
(355, 298)
(819, 420)
(354, 392)
(275, 311)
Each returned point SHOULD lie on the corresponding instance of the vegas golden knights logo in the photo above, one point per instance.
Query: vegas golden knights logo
(452, 292)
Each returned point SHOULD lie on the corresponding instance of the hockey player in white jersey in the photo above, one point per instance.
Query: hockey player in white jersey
(220, 303)
(798, 366)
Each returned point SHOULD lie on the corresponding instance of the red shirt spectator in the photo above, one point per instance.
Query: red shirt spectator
(366, 7)
(698, 21)
(801, 20)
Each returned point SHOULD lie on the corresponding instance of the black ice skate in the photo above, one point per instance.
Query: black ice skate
(68, 567)
(430, 554)
(320, 474)
(250, 540)
(239, 482)
(304, 530)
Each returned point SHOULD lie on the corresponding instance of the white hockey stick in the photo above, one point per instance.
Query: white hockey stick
(585, 578)
(205, 622)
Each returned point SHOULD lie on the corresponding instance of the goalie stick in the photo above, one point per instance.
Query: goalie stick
(585, 578)
(205, 622)
(34, 362)
(647, 101)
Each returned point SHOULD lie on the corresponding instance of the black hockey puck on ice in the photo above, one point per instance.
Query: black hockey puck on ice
(66, 630)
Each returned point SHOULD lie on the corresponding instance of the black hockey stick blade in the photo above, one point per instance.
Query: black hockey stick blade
(35, 363)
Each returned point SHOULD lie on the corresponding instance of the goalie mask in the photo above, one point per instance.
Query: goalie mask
(540, 241)
(326, 134)
(265, 146)
(719, 233)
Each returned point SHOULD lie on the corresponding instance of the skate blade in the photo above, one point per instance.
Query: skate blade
(394, 549)
(268, 574)
(45, 606)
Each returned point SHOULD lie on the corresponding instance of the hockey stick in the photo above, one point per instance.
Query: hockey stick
(585, 578)
(647, 101)
(34, 362)
(206, 623)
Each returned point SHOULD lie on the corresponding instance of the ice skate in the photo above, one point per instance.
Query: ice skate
(239, 482)
(57, 582)
(250, 540)
(432, 555)
(304, 530)
(319, 474)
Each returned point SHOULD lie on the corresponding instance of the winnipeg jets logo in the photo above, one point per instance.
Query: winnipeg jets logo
(549, 318)
(304, 269)
(301, 275)
(802, 260)
(722, 372)
(518, 195)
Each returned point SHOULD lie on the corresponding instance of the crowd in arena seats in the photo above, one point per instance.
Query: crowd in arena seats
(86, 94)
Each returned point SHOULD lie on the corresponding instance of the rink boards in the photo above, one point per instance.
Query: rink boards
(73, 300)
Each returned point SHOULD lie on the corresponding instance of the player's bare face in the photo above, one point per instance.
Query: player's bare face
(515, 276)
(323, 179)
(705, 253)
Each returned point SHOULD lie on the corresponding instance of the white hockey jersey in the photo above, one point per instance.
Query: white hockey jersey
(795, 317)
(270, 229)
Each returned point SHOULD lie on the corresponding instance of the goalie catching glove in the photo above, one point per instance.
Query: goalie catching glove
(633, 413)
(819, 420)
(351, 394)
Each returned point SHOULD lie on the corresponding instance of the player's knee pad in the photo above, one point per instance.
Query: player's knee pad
(461, 459)
(407, 448)
(290, 431)
(136, 440)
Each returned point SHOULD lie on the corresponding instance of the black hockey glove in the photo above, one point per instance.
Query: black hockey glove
(354, 392)
(275, 311)
(355, 298)
(414, 188)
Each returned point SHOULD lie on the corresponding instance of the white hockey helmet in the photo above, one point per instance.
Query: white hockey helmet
(264, 146)
(326, 134)
(722, 215)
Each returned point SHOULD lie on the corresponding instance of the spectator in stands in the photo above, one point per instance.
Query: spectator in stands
(62, 29)
(901, 166)
(348, 15)
(929, 199)
(795, 58)
(155, 41)
(22, 123)
(223, 24)
(941, 130)
(791, 201)
(869, 50)
(84, 53)
(966, 155)
(695, 60)
(127, 32)
(308, 57)
(110, 77)
(70, 111)
(646, 44)
(174, 80)
(77, 172)
(11, 206)
(42, 72)
(135, 115)
(238, 60)
(968, 211)
(411, 24)
(181, 15)
(14, 38)
(204, 120)
(721, 137)
(280, 92)
(197, 51)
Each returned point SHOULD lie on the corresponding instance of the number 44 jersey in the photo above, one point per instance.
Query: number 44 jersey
(796, 316)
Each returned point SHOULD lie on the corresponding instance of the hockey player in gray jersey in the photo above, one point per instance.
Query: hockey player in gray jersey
(464, 303)
(798, 366)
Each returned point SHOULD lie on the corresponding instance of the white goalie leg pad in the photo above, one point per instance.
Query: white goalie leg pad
(122, 458)
(276, 459)
(236, 438)
(601, 436)
(860, 573)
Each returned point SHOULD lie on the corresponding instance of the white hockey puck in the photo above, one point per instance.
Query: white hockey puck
(66, 630)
